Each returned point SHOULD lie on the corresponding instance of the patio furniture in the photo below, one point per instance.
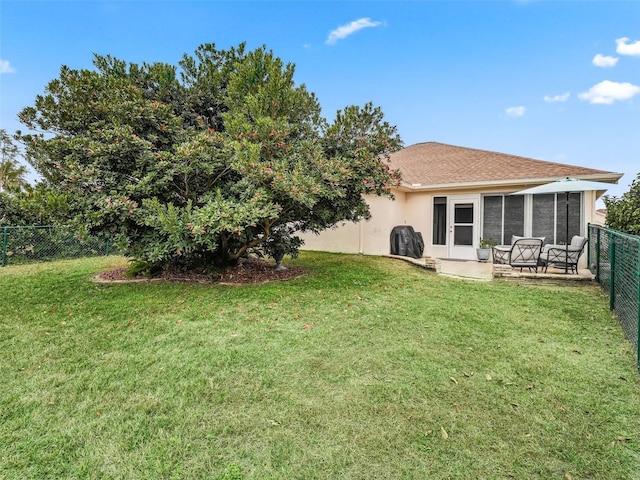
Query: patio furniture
(564, 256)
(523, 252)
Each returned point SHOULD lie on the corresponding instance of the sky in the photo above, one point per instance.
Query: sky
(552, 80)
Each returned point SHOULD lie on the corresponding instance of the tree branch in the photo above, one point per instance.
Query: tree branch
(255, 242)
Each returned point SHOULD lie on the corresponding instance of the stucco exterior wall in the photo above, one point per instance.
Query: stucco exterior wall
(418, 212)
(591, 214)
(365, 237)
(385, 214)
(419, 207)
(344, 238)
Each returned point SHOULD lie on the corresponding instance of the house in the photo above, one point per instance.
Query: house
(455, 196)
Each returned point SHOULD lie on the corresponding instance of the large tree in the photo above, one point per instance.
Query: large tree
(12, 174)
(193, 166)
(623, 213)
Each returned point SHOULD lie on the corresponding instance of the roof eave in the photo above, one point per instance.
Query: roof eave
(517, 184)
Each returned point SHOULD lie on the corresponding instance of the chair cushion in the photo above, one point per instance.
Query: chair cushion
(578, 241)
(516, 237)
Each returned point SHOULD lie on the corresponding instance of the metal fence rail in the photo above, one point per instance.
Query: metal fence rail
(22, 245)
(614, 258)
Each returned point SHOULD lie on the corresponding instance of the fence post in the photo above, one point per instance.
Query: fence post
(612, 270)
(5, 240)
(590, 245)
(638, 306)
(598, 231)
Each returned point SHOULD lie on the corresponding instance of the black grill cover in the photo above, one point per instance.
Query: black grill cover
(406, 242)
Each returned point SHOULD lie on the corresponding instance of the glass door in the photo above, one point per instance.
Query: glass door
(463, 212)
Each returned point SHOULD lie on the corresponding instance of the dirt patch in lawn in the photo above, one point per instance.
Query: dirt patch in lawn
(247, 271)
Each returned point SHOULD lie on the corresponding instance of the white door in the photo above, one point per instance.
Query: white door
(464, 213)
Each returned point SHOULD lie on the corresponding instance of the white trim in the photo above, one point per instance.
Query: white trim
(517, 183)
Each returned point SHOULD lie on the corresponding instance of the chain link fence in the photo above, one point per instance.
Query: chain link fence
(22, 245)
(614, 259)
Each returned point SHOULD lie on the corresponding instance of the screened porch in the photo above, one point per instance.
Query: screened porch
(542, 215)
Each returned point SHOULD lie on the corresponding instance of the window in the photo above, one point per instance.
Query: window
(440, 220)
(492, 218)
(561, 216)
(513, 217)
(503, 217)
(463, 224)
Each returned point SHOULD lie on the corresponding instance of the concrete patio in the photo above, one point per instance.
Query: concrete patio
(486, 271)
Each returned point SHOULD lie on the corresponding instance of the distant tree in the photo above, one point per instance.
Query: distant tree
(195, 170)
(37, 205)
(44, 205)
(11, 212)
(623, 213)
(12, 174)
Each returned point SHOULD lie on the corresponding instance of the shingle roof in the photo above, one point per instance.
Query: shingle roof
(433, 163)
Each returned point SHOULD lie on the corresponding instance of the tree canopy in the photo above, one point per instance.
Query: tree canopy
(623, 213)
(195, 165)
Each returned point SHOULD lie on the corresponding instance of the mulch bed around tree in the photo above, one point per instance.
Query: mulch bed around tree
(247, 271)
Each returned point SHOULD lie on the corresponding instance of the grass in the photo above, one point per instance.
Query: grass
(366, 368)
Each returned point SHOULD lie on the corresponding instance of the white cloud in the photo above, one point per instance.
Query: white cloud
(557, 98)
(625, 48)
(605, 62)
(345, 30)
(5, 67)
(515, 111)
(607, 92)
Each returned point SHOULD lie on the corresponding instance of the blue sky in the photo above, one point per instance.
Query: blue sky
(557, 81)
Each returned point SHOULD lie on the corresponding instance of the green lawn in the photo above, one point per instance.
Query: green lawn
(365, 368)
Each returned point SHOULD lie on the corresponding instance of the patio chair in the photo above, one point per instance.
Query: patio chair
(523, 252)
(563, 256)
